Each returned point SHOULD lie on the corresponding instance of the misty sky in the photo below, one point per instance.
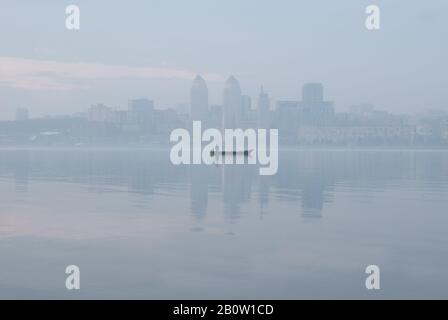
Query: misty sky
(153, 49)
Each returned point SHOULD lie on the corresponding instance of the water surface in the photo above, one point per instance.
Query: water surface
(139, 227)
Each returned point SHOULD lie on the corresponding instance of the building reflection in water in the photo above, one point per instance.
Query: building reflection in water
(21, 171)
(264, 186)
(306, 179)
(237, 184)
(199, 186)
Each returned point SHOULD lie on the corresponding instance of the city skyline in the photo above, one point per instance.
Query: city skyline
(233, 100)
(213, 99)
(198, 84)
(311, 120)
(50, 70)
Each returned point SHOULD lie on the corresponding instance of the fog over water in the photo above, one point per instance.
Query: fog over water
(139, 227)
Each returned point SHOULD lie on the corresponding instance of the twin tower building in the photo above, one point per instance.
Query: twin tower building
(235, 111)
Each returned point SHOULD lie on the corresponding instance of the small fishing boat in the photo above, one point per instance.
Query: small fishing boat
(235, 153)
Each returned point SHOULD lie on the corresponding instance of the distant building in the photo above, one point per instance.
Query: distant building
(362, 110)
(246, 108)
(432, 128)
(80, 115)
(99, 113)
(166, 120)
(378, 135)
(183, 108)
(141, 113)
(141, 110)
(199, 100)
(215, 119)
(263, 112)
(21, 114)
(312, 93)
(367, 115)
(287, 120)
(232, 112)
(120, 117)
(313, 109)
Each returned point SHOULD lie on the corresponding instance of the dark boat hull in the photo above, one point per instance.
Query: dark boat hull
(234, 153)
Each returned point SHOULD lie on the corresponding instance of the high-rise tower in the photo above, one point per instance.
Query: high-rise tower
(263, 110)
(313, 109)
(199, 100)
(232, 112)
(312, 93)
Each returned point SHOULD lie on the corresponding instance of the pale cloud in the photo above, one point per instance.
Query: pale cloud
(31, 74)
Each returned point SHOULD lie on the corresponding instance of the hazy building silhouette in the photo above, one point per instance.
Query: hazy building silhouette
(313, 109)
(141, 109)
(263, 112)
(232, 112)
(99, 113)
(199, 100)
(246, 108)
(362, 110)
(215, 116)
(312, 93)
(287, 120)
(141, 113)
